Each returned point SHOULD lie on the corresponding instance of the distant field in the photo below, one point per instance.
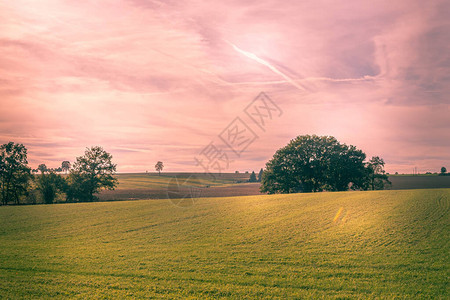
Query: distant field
(153, 186)
(402, 182)
(245, 189)
(155, 181)
(382, 244)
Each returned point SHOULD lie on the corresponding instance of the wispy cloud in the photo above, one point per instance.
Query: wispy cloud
(152, 80)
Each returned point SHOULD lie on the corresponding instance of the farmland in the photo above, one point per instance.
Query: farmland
(402, 182)
(152, 186)
(155, 181)
(348, 244)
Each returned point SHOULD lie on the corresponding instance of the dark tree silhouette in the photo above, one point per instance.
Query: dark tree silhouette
(42, 168)
(260, 174)
(252, 177)
(159, 167)
(65, 166)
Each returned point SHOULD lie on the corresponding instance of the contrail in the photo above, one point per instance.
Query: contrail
(310, 79)
(364, 78)
(290, 80)
(267, 64)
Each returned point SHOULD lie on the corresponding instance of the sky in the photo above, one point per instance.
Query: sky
(181, 81)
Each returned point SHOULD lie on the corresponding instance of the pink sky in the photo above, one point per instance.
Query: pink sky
(159, 80)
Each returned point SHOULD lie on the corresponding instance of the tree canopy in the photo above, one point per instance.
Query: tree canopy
(260, 174)
(312, 163)
(14, 172)
(159, 167)
(65, 166)
(252, 177)
(42, 168)
(90, 173)
(49, 184)
(378, 180)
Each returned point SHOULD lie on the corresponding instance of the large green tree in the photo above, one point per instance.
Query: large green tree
(312, 163)
(14, 172)
(90, 173)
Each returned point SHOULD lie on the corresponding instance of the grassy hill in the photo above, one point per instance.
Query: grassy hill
(351, 244)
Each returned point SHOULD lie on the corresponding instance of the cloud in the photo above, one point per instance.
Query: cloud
(152, 80)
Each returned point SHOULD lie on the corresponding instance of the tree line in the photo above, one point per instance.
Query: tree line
(65, 167)
(254, 177)
(309, 163)
(89, 174)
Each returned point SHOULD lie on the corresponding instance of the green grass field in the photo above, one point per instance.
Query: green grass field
(382, 244)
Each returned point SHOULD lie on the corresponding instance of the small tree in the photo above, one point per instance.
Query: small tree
(252, 177)
(159, 167)
(90, 173)
(42, 168)
(260, 174)
(49, 184)
(14, 172)
(443, 170)
(65, 166)
(378, 180)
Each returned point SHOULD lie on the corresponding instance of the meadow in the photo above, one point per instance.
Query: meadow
(376, 244)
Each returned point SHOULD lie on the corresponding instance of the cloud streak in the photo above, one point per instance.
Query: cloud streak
(267, 64)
